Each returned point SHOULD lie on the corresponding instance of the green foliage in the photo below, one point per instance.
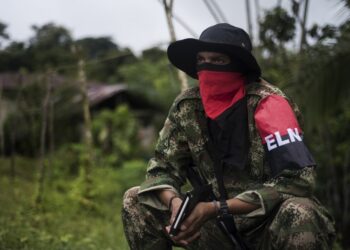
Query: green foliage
(330, 88)
(25, 114)
(67, 161)
(317, 79)
(108, 58)
(49, 36)
(322, 33)
(3, 33)
(277, 28)
(56, 41)
(153, 77)
(153, 54)
(115, 134)
(15, 57)
(106, 68)
(131, 174)
(331, 146)
(96, 47)
(51, 47)
(24, 120)
(63, 221)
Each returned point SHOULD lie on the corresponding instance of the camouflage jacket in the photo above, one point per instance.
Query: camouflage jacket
(183, 141)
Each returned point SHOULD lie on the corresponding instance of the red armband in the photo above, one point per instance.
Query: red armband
(281, 135)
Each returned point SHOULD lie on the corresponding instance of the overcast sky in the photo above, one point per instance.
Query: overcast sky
(137, 24)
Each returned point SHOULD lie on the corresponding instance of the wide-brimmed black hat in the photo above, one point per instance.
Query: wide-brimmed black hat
(223, 38)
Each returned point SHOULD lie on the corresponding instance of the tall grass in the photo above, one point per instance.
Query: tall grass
(64, 220)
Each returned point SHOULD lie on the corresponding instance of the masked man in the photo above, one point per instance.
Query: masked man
(243, 136)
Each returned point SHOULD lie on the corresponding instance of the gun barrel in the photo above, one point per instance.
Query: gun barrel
(180, 216)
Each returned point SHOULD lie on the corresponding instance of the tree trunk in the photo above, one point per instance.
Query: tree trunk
(303, 26)
(13, 152)
(249, 21)
(258, 19)
(346, 193)
(43, 132)
(2, 119)
(51, 134)
(13, 133)
(87, 134)
(168, 6)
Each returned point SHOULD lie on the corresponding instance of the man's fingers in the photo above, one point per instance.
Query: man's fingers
(172, 220)
(192, 223)
(196, 216)
(193, 237)
(187, 241)
(191, 220)
(187, 232)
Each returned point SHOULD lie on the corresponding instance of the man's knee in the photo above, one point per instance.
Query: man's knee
(143, 225)
(301, 224)
(131, 208)
(297, 212)
(130, 198)
(136, 213)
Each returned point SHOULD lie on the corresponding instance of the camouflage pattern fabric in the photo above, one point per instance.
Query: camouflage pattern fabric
(300, 223)
(183, 142)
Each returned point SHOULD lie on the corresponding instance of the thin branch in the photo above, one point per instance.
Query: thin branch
(88, 152)
(219, 11)
(185, 26)
(181, 22)
(43, 136)
(211, 10)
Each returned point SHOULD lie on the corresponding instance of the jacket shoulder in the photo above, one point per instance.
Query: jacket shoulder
(190, 93)
(257, 91)
(263, 89)
(189, 96)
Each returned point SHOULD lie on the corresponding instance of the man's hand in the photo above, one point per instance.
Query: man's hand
(190, 228)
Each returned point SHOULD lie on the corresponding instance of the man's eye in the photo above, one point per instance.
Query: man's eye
(219, 61)
(200, 60)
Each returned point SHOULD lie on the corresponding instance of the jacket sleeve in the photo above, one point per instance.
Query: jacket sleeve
(291, 165)
(167, 169)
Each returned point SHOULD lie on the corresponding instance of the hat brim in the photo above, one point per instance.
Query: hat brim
(183, 55)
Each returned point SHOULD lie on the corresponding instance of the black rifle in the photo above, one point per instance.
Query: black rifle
(201, 192)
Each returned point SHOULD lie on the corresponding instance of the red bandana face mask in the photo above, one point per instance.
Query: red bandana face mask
(219, 88)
